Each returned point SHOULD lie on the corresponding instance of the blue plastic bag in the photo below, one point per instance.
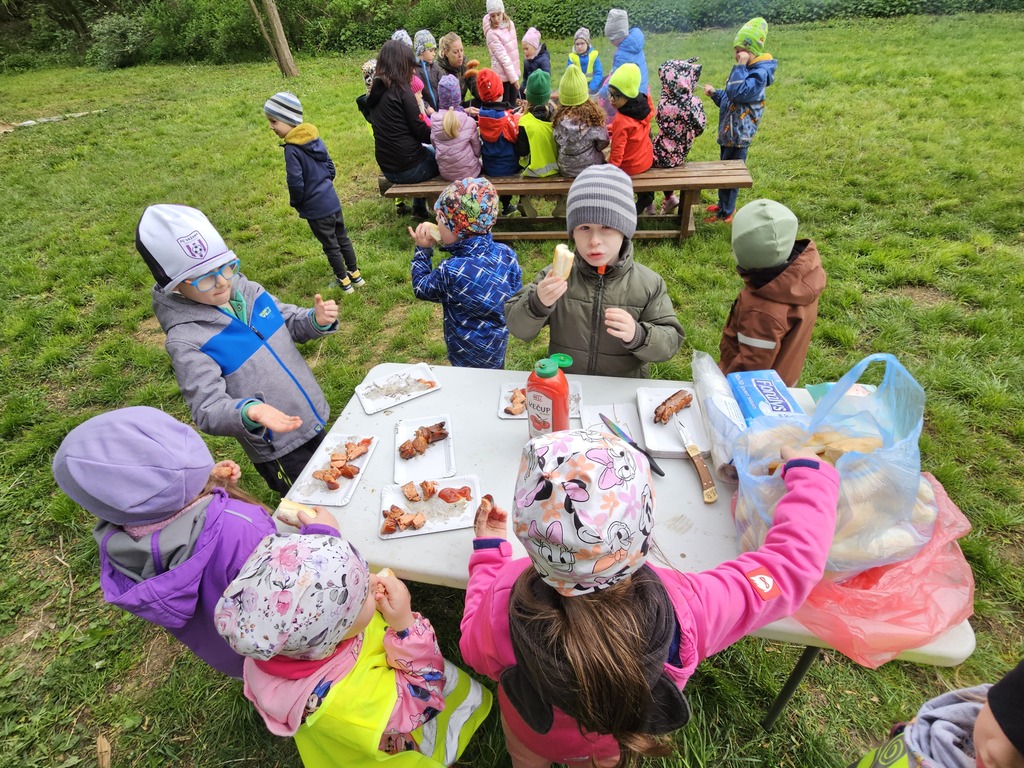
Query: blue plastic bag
(883, 514)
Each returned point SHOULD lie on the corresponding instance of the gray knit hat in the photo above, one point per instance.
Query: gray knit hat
(424, 41)
(179, 243)
(582, 34)
(602, 194)
(617, 26)
(402, 36)
(763, 234)
(284, 106)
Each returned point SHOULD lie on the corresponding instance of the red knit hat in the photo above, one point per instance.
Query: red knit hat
(489, 86)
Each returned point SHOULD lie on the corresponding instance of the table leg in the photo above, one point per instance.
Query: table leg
(686, 213)
(792, 683)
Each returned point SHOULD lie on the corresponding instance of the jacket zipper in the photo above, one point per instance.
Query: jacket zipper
(595, 325)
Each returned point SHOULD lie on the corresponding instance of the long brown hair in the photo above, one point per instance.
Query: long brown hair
(600, 638)
(233, 491)
(395, 64)
(586, 114)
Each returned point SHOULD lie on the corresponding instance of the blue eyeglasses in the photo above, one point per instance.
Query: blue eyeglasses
(206, 282)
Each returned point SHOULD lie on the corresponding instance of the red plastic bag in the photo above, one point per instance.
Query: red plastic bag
(881, 612)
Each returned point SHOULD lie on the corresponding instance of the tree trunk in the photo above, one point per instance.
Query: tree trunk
(263, 28)
(283, 52)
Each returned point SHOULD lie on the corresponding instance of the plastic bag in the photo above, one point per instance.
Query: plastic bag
(881, 612)
(723, 420)
(873, 441)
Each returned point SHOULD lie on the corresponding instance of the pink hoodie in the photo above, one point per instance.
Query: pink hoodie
(713, 608)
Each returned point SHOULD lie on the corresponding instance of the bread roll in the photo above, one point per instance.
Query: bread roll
(435, 231)
(288, 512)
(562, 264)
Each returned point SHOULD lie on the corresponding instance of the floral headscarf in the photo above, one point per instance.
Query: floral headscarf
(295, 596)
(468, 207)
(583, 509)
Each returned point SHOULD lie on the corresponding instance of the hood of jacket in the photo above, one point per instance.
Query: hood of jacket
(377, 91)
(542, 58)
(768, 64)
(678, 78)
(800, 283)
(306, 137)
(633, 43)
(638, 108)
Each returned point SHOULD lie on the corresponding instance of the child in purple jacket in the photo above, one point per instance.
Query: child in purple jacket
(174, 528)
(574, 685)
(454, 134)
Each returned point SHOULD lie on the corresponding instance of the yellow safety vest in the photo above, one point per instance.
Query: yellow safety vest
(347, 728)
(892, 754)
(543, 157)
(575, 59)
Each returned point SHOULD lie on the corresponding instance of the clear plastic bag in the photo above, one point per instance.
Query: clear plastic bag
(723, 420)
(875, 615)
(873, 441)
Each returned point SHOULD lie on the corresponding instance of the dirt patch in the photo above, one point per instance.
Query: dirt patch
(6, 128)
(149, 333)
(157, 658)
(924, 296)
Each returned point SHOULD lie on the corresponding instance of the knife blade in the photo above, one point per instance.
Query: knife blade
(617, 430)
(706, 481)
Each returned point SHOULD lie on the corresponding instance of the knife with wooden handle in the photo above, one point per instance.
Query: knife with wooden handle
(706, 481)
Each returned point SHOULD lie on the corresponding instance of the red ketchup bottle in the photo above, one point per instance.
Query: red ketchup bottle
(547, 397)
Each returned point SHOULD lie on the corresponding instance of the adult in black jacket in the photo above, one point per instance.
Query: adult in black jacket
(399, 133)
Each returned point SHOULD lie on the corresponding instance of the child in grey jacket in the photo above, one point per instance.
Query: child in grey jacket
(232, 344)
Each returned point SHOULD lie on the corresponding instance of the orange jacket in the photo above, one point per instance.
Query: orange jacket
(632, 150)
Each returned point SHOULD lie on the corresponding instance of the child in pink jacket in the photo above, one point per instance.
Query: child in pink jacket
(583, 691)
(454, 134)
(501, 40)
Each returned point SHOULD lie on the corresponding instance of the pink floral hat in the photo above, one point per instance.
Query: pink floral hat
(584, 509)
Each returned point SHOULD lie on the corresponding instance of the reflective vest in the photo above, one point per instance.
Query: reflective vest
(347, 727)
(892, 754)
(588, 72)
(543, 157)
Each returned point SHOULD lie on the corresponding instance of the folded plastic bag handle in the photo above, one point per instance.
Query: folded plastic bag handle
(912, 410)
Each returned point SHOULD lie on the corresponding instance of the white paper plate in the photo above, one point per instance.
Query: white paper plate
(389, 391)
(505, 399)
(437, 461)
(309, 490)
(663, 440)
(440, 516)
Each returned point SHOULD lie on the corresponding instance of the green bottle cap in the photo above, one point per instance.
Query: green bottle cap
(561, 359)
(546, 368)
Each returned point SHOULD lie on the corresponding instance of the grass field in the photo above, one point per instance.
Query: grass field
(901, 159)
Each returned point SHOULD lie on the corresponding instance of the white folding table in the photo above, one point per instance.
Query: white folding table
(689, 534)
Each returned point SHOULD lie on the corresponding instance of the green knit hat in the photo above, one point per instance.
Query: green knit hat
(538, 87)
(763, 234)
(572, 91)
(626, 80)
(751, 36)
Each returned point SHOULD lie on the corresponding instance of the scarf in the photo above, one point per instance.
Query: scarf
(637, 108)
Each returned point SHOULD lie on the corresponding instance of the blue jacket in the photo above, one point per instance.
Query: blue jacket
(584, 61)
(741, 102)
(631, 49)
(498, 155)
(541, 61)
(472, 285)
(310, 173)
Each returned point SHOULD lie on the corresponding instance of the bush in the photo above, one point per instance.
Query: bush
(118, 40)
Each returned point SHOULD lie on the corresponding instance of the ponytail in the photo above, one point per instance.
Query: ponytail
(451, 123)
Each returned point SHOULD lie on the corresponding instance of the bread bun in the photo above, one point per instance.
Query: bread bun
(435, 231)
(562, 264)
(288, 512)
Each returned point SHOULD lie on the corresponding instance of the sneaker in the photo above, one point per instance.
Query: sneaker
(650, 210)
(509, 210)
(670, 204)
(357, 279)
(718, 220)
(420, 214)
(712, 209)
(345, 284)
(401, 208)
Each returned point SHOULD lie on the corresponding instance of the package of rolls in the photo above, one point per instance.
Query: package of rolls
(723, 419)
(886, 512)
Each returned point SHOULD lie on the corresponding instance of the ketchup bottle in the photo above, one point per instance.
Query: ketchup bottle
(547, 397)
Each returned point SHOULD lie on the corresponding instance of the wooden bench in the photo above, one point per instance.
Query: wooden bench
(690, 178)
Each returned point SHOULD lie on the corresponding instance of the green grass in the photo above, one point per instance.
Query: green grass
(901, 159)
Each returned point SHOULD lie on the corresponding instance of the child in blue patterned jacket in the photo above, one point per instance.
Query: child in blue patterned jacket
(477, 278)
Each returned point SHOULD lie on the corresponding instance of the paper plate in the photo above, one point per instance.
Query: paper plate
(396, 388)
(309, 490)
(437, 461)
(440, 515)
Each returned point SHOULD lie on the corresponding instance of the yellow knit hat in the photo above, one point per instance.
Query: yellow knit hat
(572, 91)
(626, 80)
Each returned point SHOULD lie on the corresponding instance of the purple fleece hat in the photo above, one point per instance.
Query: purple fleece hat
(132, 466)
(448, 93)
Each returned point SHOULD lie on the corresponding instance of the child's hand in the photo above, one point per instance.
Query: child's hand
(798, 453)
(323, 517)
(551, 288)
(393, 602)
(271, 418)
(325, 312)
(422, 235)
(620, 324)
(227, 472)
(473, 112)
(708, 89)
(491, 521)
(744, 57)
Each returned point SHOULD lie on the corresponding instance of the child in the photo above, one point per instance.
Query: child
(310, 172)
(498, 133)
(629, 44)
(613, 315)
(451, 62)
(430, 73)
(631, 148)
(981, 726)
(417, 91)
(681, 119)
(232, 344)
(537, 57)
(501, 40)
(578, 126)
(454, 134)
(591, 645)
(586, 58)
(770, 322)
(741, 105)
(536, 141)
(337, 658)
(477, 278)
(173, 527)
